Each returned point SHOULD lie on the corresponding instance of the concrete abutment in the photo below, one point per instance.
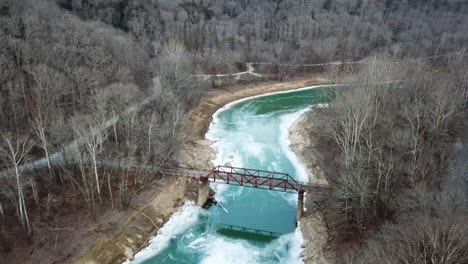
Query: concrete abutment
(300, 205)
(203, 192)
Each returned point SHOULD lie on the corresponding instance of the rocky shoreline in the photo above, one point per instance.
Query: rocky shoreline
(313, 227)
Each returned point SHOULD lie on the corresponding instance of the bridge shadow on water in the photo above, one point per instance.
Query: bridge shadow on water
(253, 236)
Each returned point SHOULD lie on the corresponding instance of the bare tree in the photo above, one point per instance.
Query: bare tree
(355, 194)
(422, 240)
(351, 116)
(413, 113)
(39, 124)
(15, 149)
(152, 122)
(93, 138)
(448, 100)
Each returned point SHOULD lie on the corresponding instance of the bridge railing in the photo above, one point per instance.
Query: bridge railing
(261, 179)
(183, 172)
(255, 172)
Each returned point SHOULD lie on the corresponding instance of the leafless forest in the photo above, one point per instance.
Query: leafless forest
(402, 183)
(88, 87)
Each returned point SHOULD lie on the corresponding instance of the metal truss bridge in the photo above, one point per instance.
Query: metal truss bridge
(260, 179)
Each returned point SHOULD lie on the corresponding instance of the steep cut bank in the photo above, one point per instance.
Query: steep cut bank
(138, 228)
(196, 152)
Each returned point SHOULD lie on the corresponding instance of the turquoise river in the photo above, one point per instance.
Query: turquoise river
(251, 133)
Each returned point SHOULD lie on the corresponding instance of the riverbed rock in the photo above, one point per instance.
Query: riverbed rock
(128, 253)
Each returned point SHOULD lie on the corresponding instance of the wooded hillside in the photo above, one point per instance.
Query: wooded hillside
(397, 135)
(90, 85)
(220, 33)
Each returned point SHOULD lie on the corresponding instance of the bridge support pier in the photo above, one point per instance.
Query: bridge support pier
(203, 191)
(300, 206)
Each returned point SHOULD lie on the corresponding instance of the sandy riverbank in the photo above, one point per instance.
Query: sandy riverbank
(305, 145)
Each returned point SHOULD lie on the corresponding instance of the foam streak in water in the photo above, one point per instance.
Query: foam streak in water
(287, 122)
(219, 249)
(220, 205)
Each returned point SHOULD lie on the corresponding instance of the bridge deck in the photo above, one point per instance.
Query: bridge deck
(252, 178)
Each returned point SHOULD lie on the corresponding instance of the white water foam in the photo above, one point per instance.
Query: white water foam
(177, 224)
(197, 243)
(300, 174)
(224, 208)
(286, 122)
(224, 250)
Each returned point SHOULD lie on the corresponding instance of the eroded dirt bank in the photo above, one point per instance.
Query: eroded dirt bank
(140, 226)
(196, 152)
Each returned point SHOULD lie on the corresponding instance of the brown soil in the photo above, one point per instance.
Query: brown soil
(138, 229)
